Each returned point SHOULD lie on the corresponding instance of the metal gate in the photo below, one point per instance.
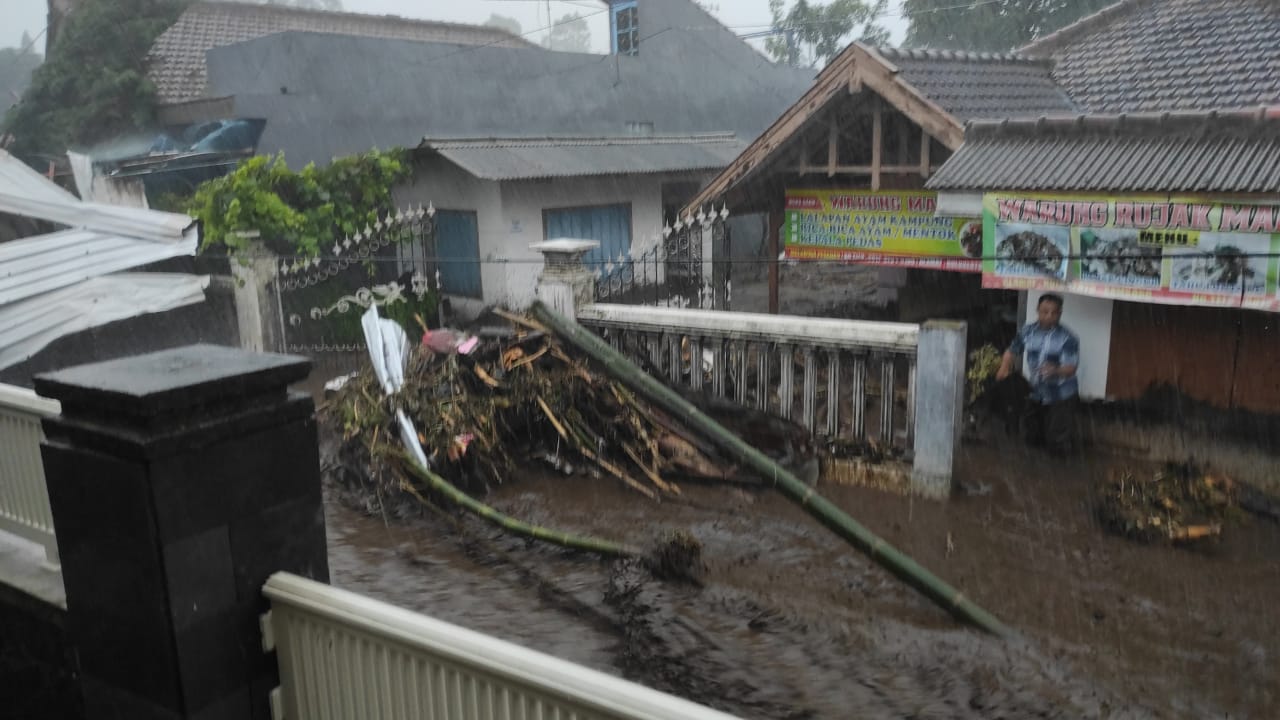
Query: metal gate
(392, 264)
(678, 271)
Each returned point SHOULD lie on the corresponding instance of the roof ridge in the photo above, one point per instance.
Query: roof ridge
(1056, 40)
(891, 53)
(584, 139)
(1263, 116)
(341, 14)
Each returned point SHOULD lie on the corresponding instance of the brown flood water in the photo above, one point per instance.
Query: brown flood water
(790, 622)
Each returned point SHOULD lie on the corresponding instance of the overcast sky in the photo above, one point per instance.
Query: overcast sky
(743, 15)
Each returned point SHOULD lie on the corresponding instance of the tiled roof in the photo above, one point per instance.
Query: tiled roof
(1150, 55)
(981, 85)
(178, 56)
(524, 158)
(1191, 152)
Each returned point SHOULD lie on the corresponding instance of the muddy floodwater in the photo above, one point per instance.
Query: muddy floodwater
(789, 622)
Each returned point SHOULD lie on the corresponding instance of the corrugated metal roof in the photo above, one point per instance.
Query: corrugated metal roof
(1168, 153)
(27, 327)
(177, 58)
(521, 159)
(981, 85)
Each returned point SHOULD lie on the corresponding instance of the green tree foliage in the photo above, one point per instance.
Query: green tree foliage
(570, 34)
(93, 86)
(810, 33)
(16, 66)
(984, 26)
(502, 22)
(297, 211)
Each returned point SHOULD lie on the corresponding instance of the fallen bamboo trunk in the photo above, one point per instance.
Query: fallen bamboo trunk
(819, 507)
(506, 522)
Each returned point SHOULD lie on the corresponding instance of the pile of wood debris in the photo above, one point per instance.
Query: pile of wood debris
(489, 405)
(1180, 502)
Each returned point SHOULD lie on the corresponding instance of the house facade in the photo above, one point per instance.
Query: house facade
(496, 197)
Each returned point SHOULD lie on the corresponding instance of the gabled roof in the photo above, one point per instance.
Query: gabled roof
(981, 85)
(858, 66)
(1189, 152)
(177, 58)
(529, 158)
(339, 96)
(1155, 55)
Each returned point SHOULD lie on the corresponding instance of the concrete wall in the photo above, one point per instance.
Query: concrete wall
(1090, 319)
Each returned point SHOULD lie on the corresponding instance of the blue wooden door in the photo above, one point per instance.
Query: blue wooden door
(610, 225)
(458, 252)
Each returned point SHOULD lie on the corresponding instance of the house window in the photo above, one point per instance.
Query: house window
(625, 28)
(609, 225)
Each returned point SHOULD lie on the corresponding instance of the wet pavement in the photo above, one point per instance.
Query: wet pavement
(789, 622)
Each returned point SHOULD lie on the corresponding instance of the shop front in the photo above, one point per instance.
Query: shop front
(1168, 263)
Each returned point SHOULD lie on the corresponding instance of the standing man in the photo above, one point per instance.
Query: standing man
(1052, 358)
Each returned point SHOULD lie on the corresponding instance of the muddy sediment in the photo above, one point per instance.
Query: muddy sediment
(783, 620)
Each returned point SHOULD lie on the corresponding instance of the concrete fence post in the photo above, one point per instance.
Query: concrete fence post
(940, 376)
(257, 304)
(565, 283)
(179, 481)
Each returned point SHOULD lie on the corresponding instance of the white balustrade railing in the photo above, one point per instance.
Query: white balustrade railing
(857, 378)
(24, 497)
(342, 655)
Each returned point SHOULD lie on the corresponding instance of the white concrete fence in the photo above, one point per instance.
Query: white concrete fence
(24, 497)
(344, 656)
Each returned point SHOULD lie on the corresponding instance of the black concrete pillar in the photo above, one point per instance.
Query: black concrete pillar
(179, 481)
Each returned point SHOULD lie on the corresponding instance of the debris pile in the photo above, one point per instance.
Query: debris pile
(1180, 502)
(487, 406)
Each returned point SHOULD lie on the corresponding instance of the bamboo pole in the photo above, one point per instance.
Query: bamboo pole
(826, 512)
(506, 522)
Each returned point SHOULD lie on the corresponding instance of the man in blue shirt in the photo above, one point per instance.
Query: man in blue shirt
(1052, 359)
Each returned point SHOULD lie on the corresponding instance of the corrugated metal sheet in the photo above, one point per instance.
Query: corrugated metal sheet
(1203, 153)
(582, 157)
(26, 192)
(40, 264)
(52, 285)
(26, 327)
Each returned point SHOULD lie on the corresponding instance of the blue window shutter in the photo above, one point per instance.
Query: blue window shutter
(610, 225)
(458, 252)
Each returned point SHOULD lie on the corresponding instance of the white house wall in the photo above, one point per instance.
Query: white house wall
(448, 187)
(522, 205)
(1090, 319)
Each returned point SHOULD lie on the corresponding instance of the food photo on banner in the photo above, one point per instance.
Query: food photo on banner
(879, 228)
(1186, 251)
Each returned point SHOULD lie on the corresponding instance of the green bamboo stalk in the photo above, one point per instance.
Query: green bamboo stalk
(508, 523)
(826, 512)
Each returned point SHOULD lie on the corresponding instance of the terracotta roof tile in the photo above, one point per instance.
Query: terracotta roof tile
(1142, 55)
(178, 56)
(981, 85)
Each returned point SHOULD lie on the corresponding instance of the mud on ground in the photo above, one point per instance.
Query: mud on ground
(789, 622)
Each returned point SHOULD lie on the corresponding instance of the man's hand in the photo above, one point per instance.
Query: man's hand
(1006, 367)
